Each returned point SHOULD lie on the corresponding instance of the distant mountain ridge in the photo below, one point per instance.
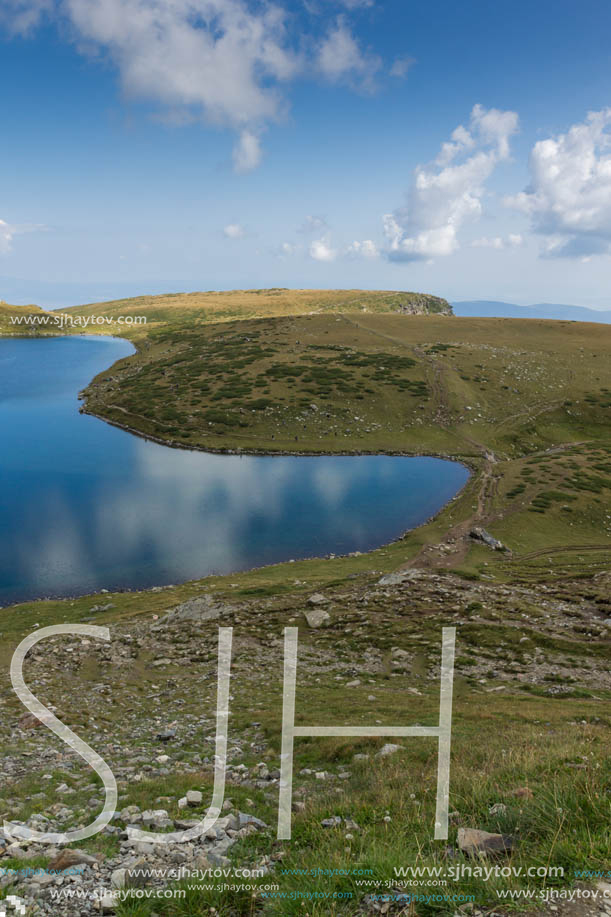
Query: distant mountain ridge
(484, 308)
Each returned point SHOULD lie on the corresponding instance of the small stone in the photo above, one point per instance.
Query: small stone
(333, 822)
(523, 792)
(69, 857)
(245, 819)
(157, 818)
(318, 599)
(388, 749)
(499, 808)
(194, 798)
(394, 579)
(43, 879)
(138, 874)
(166, 735)
(117, 878)
(472, 841)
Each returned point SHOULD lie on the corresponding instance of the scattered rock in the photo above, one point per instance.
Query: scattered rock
(166, 735)
(69, 857)
(499, 808)
(388, 749)
(318, 617)
(333, 822)
(318, 599)
(244, 819)
(472, 841)
(395, 579)
(480, 534)
(202, 608)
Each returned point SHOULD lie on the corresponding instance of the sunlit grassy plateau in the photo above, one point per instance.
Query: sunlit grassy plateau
(527, 405)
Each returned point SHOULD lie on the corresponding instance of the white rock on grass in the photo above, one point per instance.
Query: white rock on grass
(388, 749)
(318, 617)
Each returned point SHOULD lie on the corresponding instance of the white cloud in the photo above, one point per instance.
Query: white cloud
(569, 197)
(20, 17)
(485, 242)
(313, 223)
(234, 231)
(401, 66)
(365, 249)
(321, 250)
(223, 61)
(447, 193)
(6, 237)
(246, 152)
(340, 58)
(219, 60)
(8, 232)
(513, 240)
(287, 249)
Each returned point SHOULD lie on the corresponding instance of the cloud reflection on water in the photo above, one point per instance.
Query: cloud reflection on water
(87, 506)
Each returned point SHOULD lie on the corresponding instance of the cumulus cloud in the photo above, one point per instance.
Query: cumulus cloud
(448, 192)
(365, 249)
(340, 58)
(224, 61)
(6, 237)
(321, 250)
(513, 240)
(313, 223)
(234, 231)
(569, 197)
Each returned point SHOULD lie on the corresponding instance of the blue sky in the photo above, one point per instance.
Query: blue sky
(160, 145)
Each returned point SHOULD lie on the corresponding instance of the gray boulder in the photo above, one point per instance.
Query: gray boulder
(318, 617)
(477, 533)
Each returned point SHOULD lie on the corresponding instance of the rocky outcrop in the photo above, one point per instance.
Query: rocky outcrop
(422, 304)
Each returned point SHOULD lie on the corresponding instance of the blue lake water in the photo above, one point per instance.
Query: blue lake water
(85, 506)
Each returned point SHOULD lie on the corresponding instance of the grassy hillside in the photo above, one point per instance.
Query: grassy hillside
(190, 310)
(527, 404)
(13, 319)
